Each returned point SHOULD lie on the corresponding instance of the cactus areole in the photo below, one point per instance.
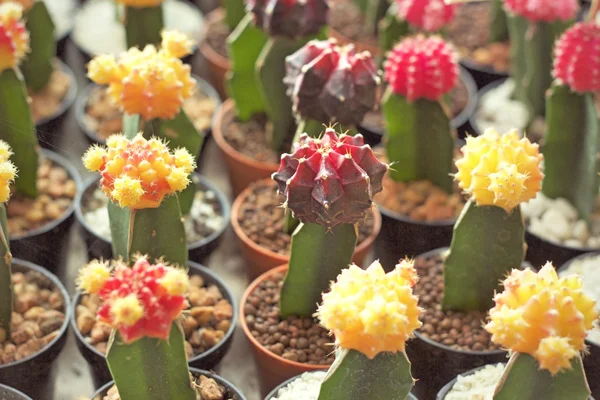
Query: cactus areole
(289, 18)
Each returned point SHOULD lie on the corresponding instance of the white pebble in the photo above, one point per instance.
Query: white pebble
(477, 386)
(305, 387)
(566, 209)
(581, 232)
(556, 223)
(499, 111)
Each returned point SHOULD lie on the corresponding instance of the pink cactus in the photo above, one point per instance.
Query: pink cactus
(290, 18)
(427, 15)
(543, 10)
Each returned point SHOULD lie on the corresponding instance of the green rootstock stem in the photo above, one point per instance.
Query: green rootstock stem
(318, 255)
(391, 29)
(570, 149)
(234, 12)
(151, 369)
(18, 130)
(143, 26)
(37, 67)
(375, 10)
(354, 376)
(6, 294)
(419, 140)
(487, 244)
(499, 22)
(524, 380)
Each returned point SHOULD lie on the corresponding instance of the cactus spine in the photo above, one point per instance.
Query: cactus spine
(38, 66)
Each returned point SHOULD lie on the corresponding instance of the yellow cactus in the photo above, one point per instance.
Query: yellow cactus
(140, 3)
(500, 170)
(126, 310)
(543, 315)
(139, 173)
(14, 38)
(7, 171)
(371, 311)
(150, 82)
(175, 282)
(93, 276)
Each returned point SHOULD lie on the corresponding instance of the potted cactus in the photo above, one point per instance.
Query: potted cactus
(498, 173)
(561, 219)
(546, 345)
(256, 124)
(328, 184)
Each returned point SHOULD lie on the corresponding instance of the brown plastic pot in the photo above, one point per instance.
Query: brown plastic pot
(260, 259)
(359, 46)
(243, 170)
(217, 64)
(272, 369)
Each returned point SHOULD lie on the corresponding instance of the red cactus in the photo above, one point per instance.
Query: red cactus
(290, 18)
(577, 60)
(543, 10)
(330, 181)
(428, 15)
(420, 67)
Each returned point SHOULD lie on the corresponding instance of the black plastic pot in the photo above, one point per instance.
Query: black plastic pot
(207, 360)
(540, 251)
(8, 393)
(49, 129)
(284, 384)
(34, 375)
(483, 74)
(45, 245)
(374, 135)
(98, 247)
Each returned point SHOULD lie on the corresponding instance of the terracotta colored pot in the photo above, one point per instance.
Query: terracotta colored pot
(243, 170)
(260, 259)
(217, 64)
(272, 369)
(359, 46)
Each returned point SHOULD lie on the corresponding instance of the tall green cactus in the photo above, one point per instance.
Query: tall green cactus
(374, 11)
(499, 22)
(234, 12)
(391, 29)
(6, 293)
(143, 25)
(37, 67)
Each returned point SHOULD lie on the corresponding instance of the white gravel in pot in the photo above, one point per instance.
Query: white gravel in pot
(497, 110)
(305, 387)
(479, 385)
(61, 12)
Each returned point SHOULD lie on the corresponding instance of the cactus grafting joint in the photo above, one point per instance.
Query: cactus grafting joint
(140, 3)
(543, 11)
(371, 311)
(139, 173)
(7, 171)
(427, 15)
(330, 181)
(331, 83)
(141, 301)
(14, 38)
(500, 170)
(576, 61)
(289, 18)
(543, 315)
(422, 67)
(150, 82)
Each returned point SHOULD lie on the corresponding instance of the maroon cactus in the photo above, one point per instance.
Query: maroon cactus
(290, 18)
(331, 83)
(330, 181)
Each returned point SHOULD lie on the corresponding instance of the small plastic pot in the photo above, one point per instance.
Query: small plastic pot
(98, 247)
(217, 64)
(243, 170)
(260, 259)
(101, 392)
(482, 74)
(207, 360)
(48, 129)
(540, 251)
(8, 393)
(33, 375)
(45, 245)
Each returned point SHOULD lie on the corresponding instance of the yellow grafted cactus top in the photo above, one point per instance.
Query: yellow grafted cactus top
(14, 38)
(139, 173)
(371, 311)
(150, 82)
(7, 171)
(543, 315)
(500, 170)
(26, 4)
(140, 3)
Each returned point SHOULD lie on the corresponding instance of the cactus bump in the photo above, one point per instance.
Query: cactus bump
(7, 175)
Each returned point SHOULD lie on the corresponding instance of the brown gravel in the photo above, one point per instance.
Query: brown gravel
(216, 36)
(38, 316)
(104, 118)
(48, 101)
(56, 193)
(346, 18)
(205, 323)
(262, 218)
(459, 330)
(250, 138)
(295, 339)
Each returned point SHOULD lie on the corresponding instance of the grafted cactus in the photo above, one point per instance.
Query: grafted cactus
(7, 176)
(144, 21)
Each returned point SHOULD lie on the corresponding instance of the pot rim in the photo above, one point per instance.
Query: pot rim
(204, 271)
(74, 175)
(69, 98)
(197, 371)
(14, 391)
(23, 264)
(562, 246)
(487, 69)
(205, 48)
(448, 386)
(235, 210)
(205, 184)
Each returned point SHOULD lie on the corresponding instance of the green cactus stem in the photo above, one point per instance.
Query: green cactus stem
(570, 149)
(18, 130)
(234, 12)
(374, 11)
(524, 380)
(6, 293)
(487, 244)
(391, 29)
(354, 376)
(143, 26)
(37, 67)
(245, 45)
(318, 255)
(419, 140)
(499, 31)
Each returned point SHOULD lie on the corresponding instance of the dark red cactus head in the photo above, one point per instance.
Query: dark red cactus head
(577, 57)
(331, 83)
(422, 67)
(427, 15)
(330, 181)
(543, 10)
(290, 18)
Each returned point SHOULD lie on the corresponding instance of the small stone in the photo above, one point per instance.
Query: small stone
(210, 389)
(556, 223)
(564, 207)
(85, 323)
(581, 232)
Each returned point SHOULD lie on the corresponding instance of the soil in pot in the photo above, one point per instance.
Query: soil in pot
(346, 18)
(250, 138)
(217, 32)
(47, 102)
